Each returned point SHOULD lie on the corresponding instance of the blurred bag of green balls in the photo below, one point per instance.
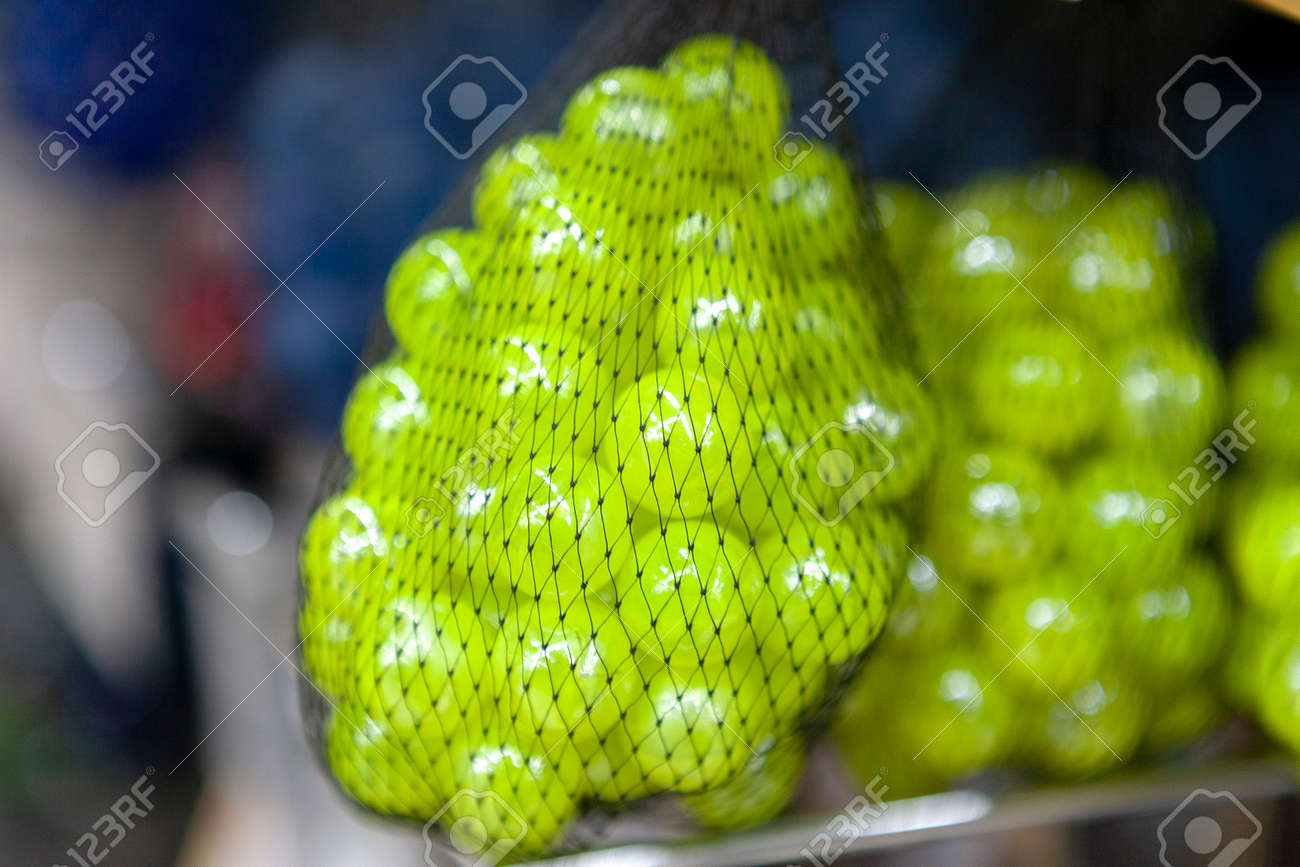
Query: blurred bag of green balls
(1065, 613)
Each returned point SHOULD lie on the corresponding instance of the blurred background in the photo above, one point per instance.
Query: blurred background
(200, 202)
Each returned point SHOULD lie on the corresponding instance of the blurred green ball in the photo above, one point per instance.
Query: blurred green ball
(994, 514)
(907, 216)
(1173, 626)
(1035, 386)
(517, 174)
(1057, 623)
(1263, 549)
(1094, 728)
(1189, 712)
(1279, 283)
(1171, 396)
(1124, 519)
(1264, 381)
(430, 284)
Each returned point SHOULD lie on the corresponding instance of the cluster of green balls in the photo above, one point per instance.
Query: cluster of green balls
(1061, 612)
(1262, 518)
(622, 509)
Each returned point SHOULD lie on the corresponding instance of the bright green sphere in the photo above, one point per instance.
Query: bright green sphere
(1264, 380)
(1171, 396)
(422, 660)
(514, 801)
(636, 113)
(1124, 520)
(1279, 283)
(907, 215)
(1097, 729)
(1278, 701)
(574, 668)
(376, 768)
(1033, 385)
(342, 557)
(386, 422)
(1057, 622)
(695, 732)
(517, 174)
(693, 596)
(542, 532)
(831, 588)
(1173, 626)
(869, 437)
(677, 441)
(430, 285)
(815, 210)
(926, 612)
(1263, 549)
(758, 793)
(995, 514)
(734, 78)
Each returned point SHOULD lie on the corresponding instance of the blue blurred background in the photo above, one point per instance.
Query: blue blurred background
(146, 240)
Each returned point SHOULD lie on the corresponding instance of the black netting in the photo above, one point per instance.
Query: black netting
(617, 512)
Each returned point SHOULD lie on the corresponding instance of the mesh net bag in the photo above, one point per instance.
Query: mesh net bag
(1064, 613)
(616, 515)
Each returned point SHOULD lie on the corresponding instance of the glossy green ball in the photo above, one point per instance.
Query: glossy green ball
(1035, 386)
(514, 801)
(1279, 283)
(1173, 626)
(1263, 549)
(995, 514)
(830, 588)
(430, 285)
(1126, 518)
(515, 175)
(1057, 623)
(733, 77)
(755, 795)
(542, 532)
(678, 441)
(1171, 396)
(1264, 382)
(386, 422)
(1098, 728)
(693, 596)
(691, 733)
